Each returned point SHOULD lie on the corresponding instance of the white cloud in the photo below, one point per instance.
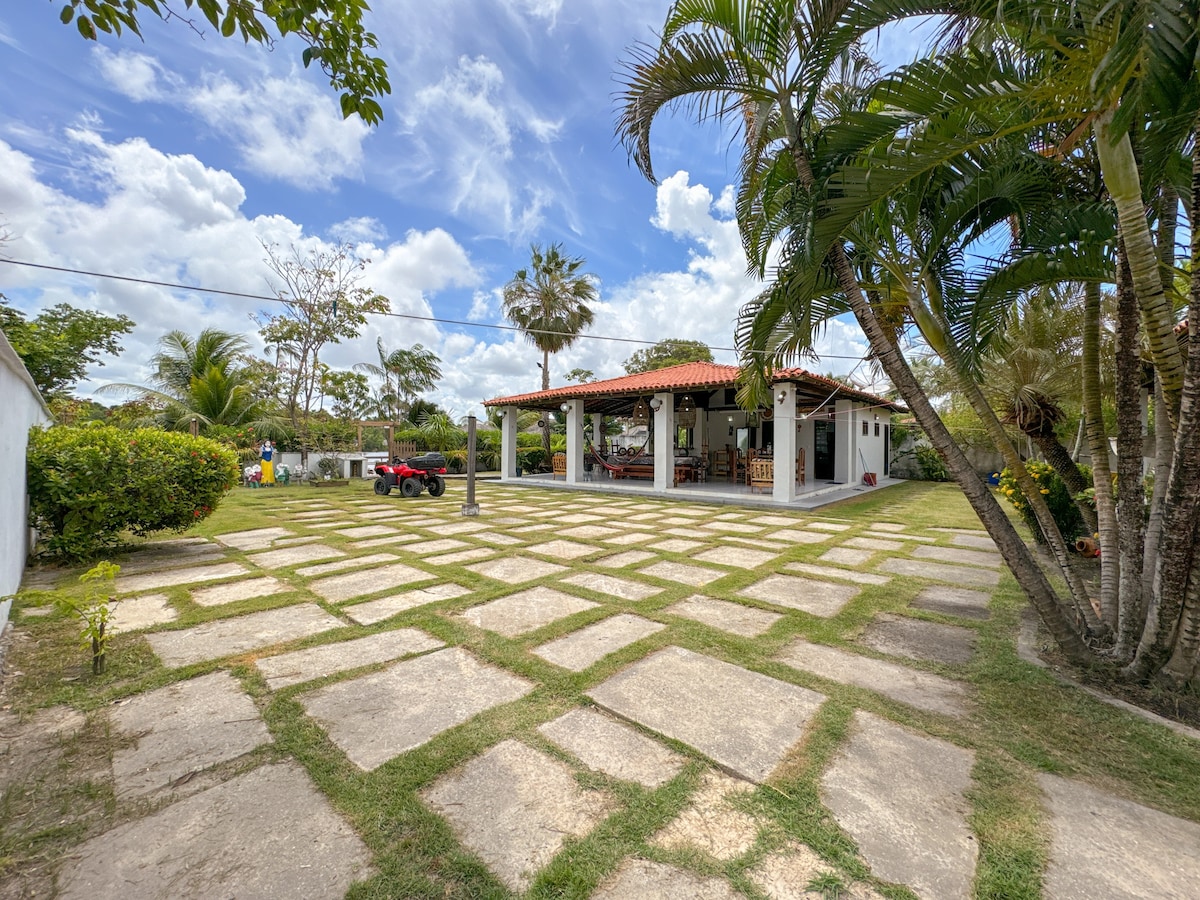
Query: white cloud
(284, 128)
(357, 229)
(135, 75)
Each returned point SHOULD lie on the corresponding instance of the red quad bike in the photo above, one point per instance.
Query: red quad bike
(415, 474)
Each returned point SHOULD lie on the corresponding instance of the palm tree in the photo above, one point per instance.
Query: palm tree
(762, 67)
(548, 301)
(405, 374)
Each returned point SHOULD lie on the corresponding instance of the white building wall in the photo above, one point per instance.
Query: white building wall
(22, 408)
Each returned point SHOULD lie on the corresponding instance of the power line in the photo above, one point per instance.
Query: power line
(396, 315)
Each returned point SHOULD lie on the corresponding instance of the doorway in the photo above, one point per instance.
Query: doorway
(823, 451)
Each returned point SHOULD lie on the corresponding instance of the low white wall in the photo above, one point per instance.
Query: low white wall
(21, 409)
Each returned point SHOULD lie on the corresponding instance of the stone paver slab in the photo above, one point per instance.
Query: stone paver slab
(337, 588)
(888, 526)
(294, 556)
(1105, 846)
(580, 518)
(525, 611)
(725, 616)
(183, 728)
(828, 526)
(733, 527)
(641, 879)
(140, 612)
(501, 540)
(832, 572)
(786, 875)
(257, 539)
(226, 637)
(462, 556)
(778, 521)
(959, 555)
(589, 531)
(900, 536)
(819, 598)
(902, 797)
(739, 557)
(952, 601)
(798, 536)
(420, 547)
(315, 514)
(562, 549)
(366, 531)
(924, 690)
(458, 527)
(341, 565)
(677, 545)
(937, 571)
(317, 662)
(517, 569)
(582, 649)
(219, 594)
(266, 834)
(710, 822)
(379, 716)
(629, 537)
(514, 806)
(613, 748)
(845, 556)
(157, 555)
(974, 541)
(918, 639)
(153, 581)
(613, 586)
(378, 610)
(872, 544)
(746, 722)
(621, 560)
(682, 573)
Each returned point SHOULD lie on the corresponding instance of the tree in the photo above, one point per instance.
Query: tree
(670, 352)
(323, 303)
(405, 374)
(580, 376)
(349, 392)
(59, 344)
(332, 30)
(548, 301)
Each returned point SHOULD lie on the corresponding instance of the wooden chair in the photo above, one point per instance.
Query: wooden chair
(800, 466)
(720, 463)
(760, 474)
(558, 466)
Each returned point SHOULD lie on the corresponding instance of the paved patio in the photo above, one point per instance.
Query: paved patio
(673, 644)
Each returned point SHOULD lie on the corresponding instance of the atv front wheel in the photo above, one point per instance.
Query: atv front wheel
(382, 487)
(410, 487)
(437, 486)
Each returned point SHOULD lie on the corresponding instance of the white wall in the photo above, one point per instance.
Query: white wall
(21, 409)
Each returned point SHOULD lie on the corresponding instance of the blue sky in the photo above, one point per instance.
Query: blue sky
(172, 158)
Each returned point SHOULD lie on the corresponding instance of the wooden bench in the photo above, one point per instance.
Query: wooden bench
(761, 474)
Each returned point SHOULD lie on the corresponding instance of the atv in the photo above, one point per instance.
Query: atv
(413, 475)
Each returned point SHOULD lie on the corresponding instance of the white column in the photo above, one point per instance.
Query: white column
(508, 442)
(784, 490)
(574, 441)
(664, 441)
(845, 442)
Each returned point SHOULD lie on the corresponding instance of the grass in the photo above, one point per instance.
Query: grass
(1023, 720)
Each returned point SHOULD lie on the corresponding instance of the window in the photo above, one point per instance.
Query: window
(864, 429)
(876, 429)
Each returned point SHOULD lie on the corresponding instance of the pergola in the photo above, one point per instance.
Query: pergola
(706, 392)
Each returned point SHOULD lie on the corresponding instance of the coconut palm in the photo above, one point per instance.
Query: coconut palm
(405, 374)
(762, 67)
(547, 301)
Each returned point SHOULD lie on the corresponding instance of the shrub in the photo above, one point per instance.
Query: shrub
(1058, 498)
(89, 484)
(530, 459)
(933, 468)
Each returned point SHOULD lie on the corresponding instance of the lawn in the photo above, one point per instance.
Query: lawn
(1022, 719)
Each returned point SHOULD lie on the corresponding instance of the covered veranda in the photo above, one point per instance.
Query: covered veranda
(817, 439)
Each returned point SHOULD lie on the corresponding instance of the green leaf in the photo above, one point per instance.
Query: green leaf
(67, 14)
(84, 24)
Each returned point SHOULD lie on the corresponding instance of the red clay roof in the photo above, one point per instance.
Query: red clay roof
(686, 376)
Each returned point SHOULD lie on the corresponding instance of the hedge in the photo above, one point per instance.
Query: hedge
(89, 484)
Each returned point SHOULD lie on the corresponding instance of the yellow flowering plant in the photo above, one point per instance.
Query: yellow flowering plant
(1058, 498)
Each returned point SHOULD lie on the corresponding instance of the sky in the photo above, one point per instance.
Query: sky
(177, 157)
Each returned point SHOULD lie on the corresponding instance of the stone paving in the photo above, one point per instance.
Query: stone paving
(389, 651)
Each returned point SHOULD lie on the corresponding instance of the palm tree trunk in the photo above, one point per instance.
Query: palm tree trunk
(1171, 633)
(1060, 460)
(546, 416)
(1136, 540)
(1106, 510)
(1119, 169)
(1024, 567)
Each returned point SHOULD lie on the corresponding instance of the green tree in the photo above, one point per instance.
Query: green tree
(60, 343)
(547, 301)
(333, 31)
(405, 373)
(323, 303)
(669, 352)
(580, 376)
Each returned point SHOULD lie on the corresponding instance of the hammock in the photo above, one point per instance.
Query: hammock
(605, 463)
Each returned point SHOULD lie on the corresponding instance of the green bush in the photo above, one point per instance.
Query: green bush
(1058, 498)
(87, 485)
(531, 458)
(933, 468)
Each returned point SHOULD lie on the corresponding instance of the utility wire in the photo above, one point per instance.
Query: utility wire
(396, 315)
